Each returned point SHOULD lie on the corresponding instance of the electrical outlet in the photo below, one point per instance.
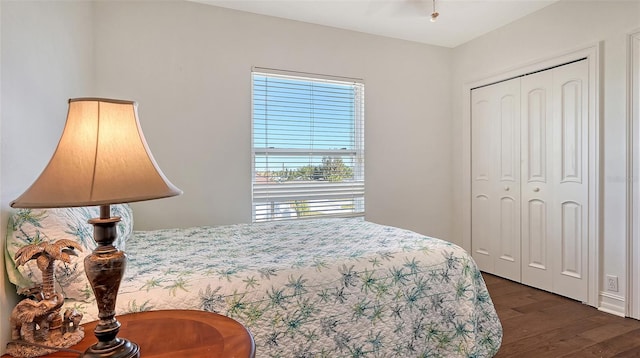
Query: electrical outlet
(612, 283)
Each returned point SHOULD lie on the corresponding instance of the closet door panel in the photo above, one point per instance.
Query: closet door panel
(509, 208)
(495, 171)
(536, 270)
(481, 147)
(537, 113)
(537, 233)
(483, 173)
(571, 231)
(508, 188)
(570, 186)
(571, 132)
(482, 251)
(509, 135)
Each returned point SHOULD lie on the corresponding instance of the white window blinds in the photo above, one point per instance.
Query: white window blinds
(308, 146)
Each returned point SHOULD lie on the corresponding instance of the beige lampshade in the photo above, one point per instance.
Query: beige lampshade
(102, 158)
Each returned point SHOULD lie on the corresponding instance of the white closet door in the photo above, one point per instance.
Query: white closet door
(482, 173)
(555, 184)
(537, 123)
(495, 171)
(571, 184)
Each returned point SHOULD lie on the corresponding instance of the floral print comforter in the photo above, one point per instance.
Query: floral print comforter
(318, 288)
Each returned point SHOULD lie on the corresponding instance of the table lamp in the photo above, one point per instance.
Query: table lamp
(102, 159)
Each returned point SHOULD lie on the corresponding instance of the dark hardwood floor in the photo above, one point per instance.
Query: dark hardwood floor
(540, 324)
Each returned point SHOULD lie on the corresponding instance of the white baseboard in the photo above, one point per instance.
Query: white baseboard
(612, 304)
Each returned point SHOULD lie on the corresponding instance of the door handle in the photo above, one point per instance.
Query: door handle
(506, 188)
(536, 189)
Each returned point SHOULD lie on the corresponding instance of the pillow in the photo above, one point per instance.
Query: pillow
(28, 226)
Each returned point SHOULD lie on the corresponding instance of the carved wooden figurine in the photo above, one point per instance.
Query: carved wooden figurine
(31, 316)
(71, 322)
(37, 320)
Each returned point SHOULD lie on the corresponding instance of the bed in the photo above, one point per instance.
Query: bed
(305, 288)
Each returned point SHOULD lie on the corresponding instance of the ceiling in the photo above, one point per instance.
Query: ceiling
(459, 21)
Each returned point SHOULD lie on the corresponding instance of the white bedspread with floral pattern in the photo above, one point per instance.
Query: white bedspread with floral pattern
(317, 288)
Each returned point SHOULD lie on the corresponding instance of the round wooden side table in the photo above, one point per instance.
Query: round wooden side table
(178, 333)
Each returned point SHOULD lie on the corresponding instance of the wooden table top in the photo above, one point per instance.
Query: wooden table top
(178, 333)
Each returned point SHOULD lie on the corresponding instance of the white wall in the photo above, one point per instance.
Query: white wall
(46, 58)
(188, 65)
(564, 26)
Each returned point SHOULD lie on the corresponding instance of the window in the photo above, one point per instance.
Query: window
(308, 146)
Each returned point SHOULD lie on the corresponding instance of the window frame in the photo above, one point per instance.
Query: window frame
(311, 190)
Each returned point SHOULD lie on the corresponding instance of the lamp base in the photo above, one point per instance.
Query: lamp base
(121, 348)
(105, 268)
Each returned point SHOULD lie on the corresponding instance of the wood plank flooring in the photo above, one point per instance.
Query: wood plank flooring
(540, 324)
